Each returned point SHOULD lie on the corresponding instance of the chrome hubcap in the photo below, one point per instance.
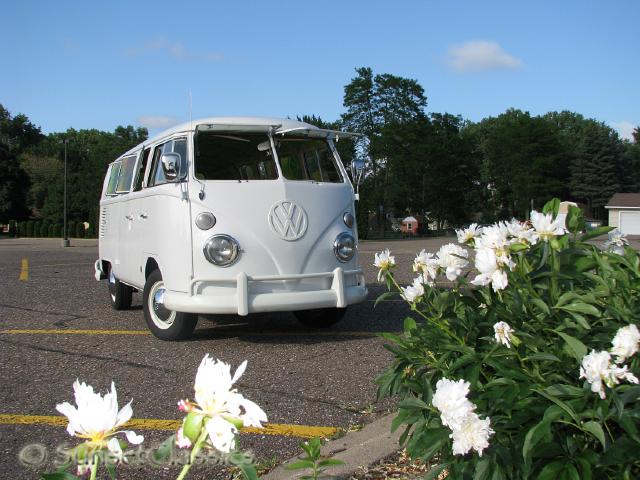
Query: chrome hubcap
(161, 316)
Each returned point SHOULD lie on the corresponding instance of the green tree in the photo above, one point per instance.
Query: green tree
(372, 103)
(523, 162)
(14, 183)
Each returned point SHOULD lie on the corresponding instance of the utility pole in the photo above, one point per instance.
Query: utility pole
(65, 238)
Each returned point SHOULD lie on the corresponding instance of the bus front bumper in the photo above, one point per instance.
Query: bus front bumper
(243, 294)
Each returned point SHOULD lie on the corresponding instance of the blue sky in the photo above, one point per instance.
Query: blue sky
(103, 64)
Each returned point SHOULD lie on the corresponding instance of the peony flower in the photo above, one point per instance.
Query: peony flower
(413, 292)
(221, 405)
(490, 271)
(597, 369)
(450, 398)
(468, 235)
(520, 232)
(626, 343)
(503, 333)
(616, 242)
(427, 264)
(384, 261)
(545, 226)
(472, 434)
(96, 420)
(452, 259)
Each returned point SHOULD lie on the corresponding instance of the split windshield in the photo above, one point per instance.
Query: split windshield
(243, 156)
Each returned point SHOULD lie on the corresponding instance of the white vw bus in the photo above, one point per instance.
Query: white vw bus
(231, 215)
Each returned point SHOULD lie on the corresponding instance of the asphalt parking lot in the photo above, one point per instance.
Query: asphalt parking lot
(58, 326)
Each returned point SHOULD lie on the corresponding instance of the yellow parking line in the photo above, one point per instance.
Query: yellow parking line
(214, 332)
(302, 431)
(24, 270)
(74, 332)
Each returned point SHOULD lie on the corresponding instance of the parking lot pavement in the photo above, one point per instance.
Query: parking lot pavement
(57, 326)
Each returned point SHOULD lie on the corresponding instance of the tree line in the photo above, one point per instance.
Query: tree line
(436, 165)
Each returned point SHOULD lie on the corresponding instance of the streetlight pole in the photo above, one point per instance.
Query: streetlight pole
(65, 239)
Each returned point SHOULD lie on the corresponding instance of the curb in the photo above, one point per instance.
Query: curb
(366, 447)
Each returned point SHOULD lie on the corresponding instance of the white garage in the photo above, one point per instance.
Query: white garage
(624, 212)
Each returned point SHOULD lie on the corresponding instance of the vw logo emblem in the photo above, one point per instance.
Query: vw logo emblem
(288, 220)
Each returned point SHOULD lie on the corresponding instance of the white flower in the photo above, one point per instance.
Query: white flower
(469, 234)
(545, 226)
(487, 265)
(626, 343)
(452, 259)
(427, 264)
(520, 232)
(221, 404)
(503, 333)
(616, 242)
(496, 238)
(472, 434)
(413, 292)
(384, 261)
(450, 398)
(597, 369)
(97, 418)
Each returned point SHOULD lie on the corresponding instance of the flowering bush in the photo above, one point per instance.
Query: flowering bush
(527, 366)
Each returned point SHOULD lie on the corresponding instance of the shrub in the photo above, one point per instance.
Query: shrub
(13, 228)
(29, 228)
(22, 229)
(37, 225)
(51, 232)
(57, 230)
(44, 230)
(512, 374)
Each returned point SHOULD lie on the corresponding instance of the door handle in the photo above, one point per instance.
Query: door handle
(143, 216)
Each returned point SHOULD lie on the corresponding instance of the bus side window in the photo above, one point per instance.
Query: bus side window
(179, 145)
(113, 178)
(141, 169)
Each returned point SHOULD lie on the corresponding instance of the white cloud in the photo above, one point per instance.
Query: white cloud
(175, 50)
(480, 55)
(625, 129)
(157, 122)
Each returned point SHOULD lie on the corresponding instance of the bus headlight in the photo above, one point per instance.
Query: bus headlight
(222, 250)
(344, 247)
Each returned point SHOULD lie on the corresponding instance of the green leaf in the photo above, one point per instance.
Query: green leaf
(409, 324)
(300, 465)
(576, 347)
(551, 471)
(383, 297)
(192, 425)
(552, 206)
(413, 402)
(533, 437)
(249, 471)
(596, 232)
(111, 470)
(434, 472)
(560, 390)
(581, 307)
(595, 429)
(561, 404)
(329, 462)
(542, 356)
(482, 469)
(541, 305)
(163, 452)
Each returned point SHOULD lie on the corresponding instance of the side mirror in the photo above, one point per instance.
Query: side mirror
(357, 172)
(171, 165)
